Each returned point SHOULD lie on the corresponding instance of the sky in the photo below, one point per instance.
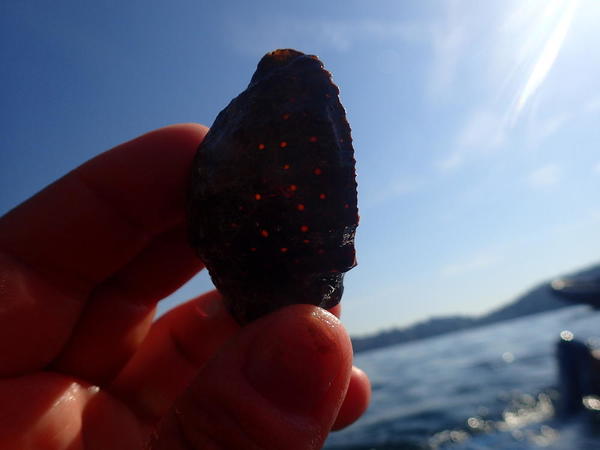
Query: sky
(475, 125)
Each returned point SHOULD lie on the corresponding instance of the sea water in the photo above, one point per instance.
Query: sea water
(492, 387)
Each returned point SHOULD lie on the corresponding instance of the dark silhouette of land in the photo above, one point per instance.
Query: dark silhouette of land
(537, 300)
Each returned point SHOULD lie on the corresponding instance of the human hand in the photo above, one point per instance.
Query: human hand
(82, 364)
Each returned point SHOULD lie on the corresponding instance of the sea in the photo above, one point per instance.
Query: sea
(493, 387)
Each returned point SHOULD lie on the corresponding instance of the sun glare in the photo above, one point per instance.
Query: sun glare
(557, 16)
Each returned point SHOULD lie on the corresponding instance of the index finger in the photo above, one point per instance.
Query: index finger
(95, 222)
(88, 224)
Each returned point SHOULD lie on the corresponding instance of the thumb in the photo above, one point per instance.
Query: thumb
(278, 385)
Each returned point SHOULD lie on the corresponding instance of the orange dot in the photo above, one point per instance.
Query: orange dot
(304, 228)
(300, 207)
(317, 171)
(261, 146)
(285, 116)
(283, 249)
(257, 196)
(306, 241)
(293, 187)
(253, 249)
(312, 139)
(264, 233)
(286, 166)
(283, 144)
(322, 196)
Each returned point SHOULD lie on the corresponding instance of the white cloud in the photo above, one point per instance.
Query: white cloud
(542, 129)
(403, 186)
(451, 162)
(476, 262)
(447, 46)
(552, 125)
(278, 31)
(483, 132)
(545, 176)
(400, 186)
(597, 168)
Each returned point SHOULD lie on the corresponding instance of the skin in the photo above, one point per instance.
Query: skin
(84, 366)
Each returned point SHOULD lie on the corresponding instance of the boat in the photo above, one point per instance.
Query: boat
(578, 289)
(578, 376)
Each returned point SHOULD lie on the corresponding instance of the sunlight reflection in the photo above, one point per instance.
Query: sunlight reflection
(561, 12)
(566, 335)
(591, 402)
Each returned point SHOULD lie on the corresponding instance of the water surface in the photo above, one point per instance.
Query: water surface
(487, 388)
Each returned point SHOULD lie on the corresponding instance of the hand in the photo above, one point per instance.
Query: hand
(82, 364)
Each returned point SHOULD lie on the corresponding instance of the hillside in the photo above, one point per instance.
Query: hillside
(537, 300)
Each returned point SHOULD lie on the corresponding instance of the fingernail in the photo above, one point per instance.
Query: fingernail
(294, 365)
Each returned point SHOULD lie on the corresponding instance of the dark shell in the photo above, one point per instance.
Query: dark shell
(272, 201)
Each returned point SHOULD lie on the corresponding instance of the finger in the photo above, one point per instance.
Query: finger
(119, 312)
(356, 401)
(278, 384)
(50, 411)
(60, 244)
(336, 310)
(177, 347)
(85, 226)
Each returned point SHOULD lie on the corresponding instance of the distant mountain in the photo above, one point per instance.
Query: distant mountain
(428, 328)
(537, 300)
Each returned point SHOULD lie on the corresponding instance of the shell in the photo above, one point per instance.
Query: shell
(272, 205)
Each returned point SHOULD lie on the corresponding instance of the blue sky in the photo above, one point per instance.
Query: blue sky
(475, 124)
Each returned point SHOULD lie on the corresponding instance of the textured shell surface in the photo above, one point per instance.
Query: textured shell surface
(272, 204)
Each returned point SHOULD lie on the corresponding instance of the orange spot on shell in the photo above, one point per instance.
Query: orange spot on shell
(304, 228)
(283, 144)
(293, 187)
(264, 233)
(322, 196)
(306, 241)
(257, 196)
(283, 249)
(313, 139)
(253, 249)
(317, 171)
(261, 146)
(286, 166)
(285, 116)
(300, 207)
